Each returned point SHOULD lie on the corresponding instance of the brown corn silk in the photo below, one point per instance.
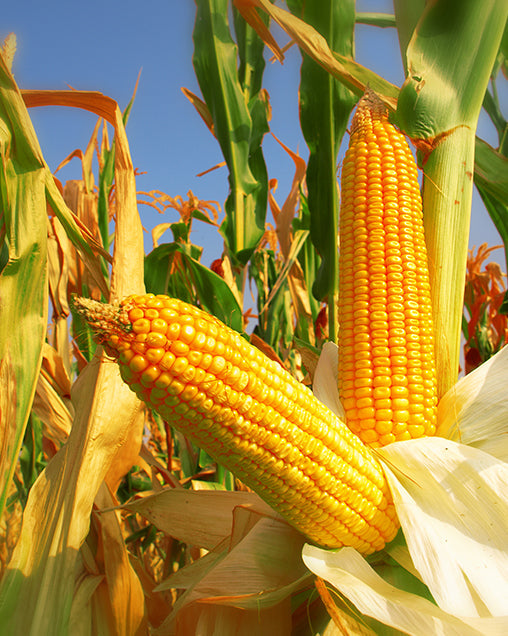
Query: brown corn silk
(250, 415)
(387, 376)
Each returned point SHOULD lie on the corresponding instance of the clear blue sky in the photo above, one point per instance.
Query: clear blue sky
(103, 44)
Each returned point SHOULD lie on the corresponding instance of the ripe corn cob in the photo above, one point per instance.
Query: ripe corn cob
(251, 415)
(387, 377)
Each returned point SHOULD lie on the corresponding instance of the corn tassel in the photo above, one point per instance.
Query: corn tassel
(250, 415)
(387, 377)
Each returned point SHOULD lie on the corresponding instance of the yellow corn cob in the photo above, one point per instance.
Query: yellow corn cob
(251, 415)
(387, 377)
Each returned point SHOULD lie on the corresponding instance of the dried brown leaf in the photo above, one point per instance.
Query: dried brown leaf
(120, 592)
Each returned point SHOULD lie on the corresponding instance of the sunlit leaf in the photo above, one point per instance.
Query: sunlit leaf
(451, 502)
(351, 74)
(348, 571)
(56, 518)
(475, 410)
(23, 277)
(173, 510)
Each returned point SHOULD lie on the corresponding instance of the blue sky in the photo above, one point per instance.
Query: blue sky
(103, 44)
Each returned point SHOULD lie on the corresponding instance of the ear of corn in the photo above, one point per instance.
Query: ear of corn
(387, 378)
(251, 415)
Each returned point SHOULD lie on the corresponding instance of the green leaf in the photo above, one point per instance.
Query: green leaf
(450, 59)
(491, 180)
(381, 20)
(297, 244)
(325, 106)
(407, 15)
(23, 279)
(215, 64)
(192, 281)
(504, 306)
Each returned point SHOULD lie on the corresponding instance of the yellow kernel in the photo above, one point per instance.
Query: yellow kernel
(176, 387)
(187, 333)
(179, 366)
(399, 392)
(189, 393)
(384, 414)
(168, 314)
(369, 436)
(126, 356)
(348, 403)
(154, 355)
(416, 430)
(367, 412)
(206, 361)
(157, 340)
(364, 384)
(159, 325)
(368, 423)
(167, 361)
(173, 331)
(384, 426)
(388, 438)
(417, 405)
(135, 314)
(151, 314)
(155, 302)
(142, 325)
(114, 339)
(218, 365)
(150, 375)
(380, 351)
(164, 380)
(381, 392)
(382, 380)
(363, 402)
(138, 363)
(179, 348)
(400, 415)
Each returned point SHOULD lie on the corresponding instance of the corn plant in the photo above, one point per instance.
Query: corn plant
(186, 505)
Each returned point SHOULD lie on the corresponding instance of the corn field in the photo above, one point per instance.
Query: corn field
(151, 511)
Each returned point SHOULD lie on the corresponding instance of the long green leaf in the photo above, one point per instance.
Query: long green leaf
(325, 106)
(23, 286)
(215, 64)
(192, 279)
(491, 179)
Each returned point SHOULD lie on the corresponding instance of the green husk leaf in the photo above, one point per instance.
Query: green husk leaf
(409, 613)
(451, 501)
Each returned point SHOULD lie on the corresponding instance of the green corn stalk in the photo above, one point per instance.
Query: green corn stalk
(449, 59)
